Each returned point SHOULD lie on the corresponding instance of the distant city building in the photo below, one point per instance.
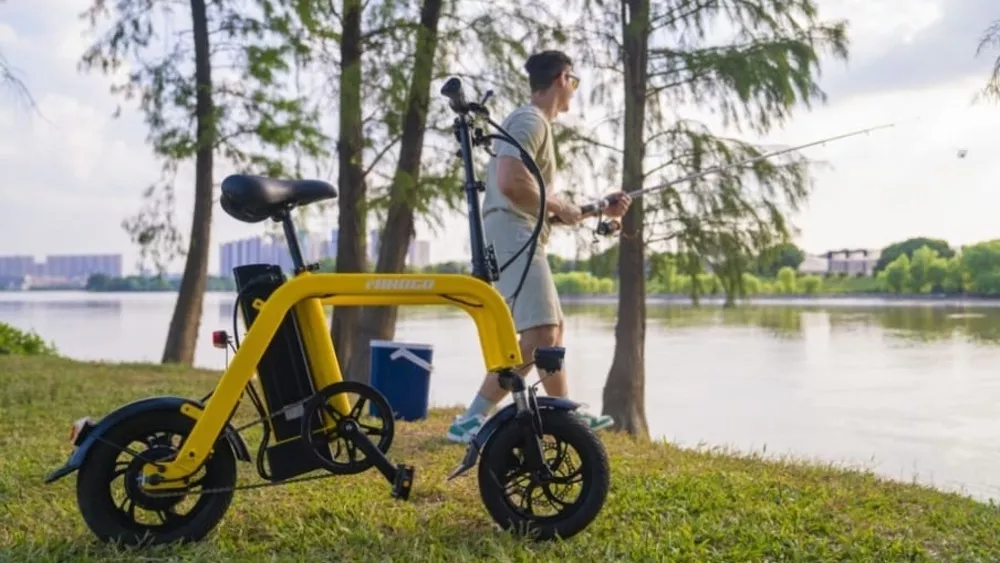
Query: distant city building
(814, 265)
(17, 266)
(374, 243)
(848, 262)
(853, 262)
(315, 247)
(419, 255)
(66, 269)
(254, 250)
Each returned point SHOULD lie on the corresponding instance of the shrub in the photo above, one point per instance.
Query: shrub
(811, 284)
(582, 283)
(16, 341)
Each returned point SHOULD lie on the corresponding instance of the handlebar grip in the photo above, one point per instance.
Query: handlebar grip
(452, 90)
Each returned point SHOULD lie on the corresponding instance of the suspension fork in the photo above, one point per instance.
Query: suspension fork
(528, 419)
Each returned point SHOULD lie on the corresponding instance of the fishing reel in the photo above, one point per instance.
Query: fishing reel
(605, 227)
(608, 227)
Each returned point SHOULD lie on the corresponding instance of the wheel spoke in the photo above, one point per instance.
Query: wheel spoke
(167, 516)
(561, 455)
(575, 477)
(352, 451)
(527, 505)
(360, 398)
(336, 416)
(359, 408)
(128, 507)
(547, 491)
(197, 482)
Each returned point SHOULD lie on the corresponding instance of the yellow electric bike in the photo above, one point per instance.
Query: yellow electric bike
(142, 463)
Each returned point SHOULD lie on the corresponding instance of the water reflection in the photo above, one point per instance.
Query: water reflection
(914, 324)
(104, 305)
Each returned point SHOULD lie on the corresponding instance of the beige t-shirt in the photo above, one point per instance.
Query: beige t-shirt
(529, 127)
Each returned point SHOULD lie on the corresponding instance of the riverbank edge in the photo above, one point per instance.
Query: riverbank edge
(796, 299)
(672, 298)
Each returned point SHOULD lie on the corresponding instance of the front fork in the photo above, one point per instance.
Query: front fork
(529, 417)
(525, 412)
(528, 420)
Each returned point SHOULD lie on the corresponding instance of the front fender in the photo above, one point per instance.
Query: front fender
(167, 403)
(500, 418)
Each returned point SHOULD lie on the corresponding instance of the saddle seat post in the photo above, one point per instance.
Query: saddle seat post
(294, 248)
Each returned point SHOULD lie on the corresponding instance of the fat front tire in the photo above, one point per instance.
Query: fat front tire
(513, 497)
(116, 509)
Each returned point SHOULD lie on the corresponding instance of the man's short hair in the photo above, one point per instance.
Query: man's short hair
(544, 67)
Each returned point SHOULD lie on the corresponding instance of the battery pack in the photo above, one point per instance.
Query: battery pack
(283, 373)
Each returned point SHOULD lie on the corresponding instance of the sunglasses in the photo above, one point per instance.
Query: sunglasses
(574, 80)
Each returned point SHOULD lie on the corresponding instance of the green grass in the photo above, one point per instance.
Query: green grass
(666, 504)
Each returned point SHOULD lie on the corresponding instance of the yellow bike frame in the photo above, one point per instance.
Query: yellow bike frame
(307, 293)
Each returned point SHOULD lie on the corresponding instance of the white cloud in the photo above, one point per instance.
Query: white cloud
(72, 174)
(7, 34)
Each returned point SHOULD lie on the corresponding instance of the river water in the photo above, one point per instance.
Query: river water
(908, 390)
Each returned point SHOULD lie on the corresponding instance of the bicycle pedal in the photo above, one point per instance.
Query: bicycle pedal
(403, 482)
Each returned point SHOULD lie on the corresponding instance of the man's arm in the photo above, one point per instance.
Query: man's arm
(519, 185)
(513, 177)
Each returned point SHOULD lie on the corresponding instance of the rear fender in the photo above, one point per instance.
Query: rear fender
(187, 406)
(495, 422)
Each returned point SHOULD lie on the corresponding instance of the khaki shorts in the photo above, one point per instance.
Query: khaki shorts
(538, 303)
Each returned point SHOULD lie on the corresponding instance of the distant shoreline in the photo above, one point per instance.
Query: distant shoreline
(833, 299)
(818, 299)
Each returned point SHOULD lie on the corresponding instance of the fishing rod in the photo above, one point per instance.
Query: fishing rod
(612, 226)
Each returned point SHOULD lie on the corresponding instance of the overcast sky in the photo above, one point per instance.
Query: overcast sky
(71, 176)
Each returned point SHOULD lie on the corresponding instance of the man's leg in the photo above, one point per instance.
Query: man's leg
(490, 393)
(538, 318)
(536, 337)
(595, 421)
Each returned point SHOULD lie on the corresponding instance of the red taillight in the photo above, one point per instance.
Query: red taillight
(220, 339)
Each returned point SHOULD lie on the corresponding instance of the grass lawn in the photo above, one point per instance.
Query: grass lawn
(666, 504)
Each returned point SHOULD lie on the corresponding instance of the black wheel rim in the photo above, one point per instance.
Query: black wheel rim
(144, 511)
(551, 498)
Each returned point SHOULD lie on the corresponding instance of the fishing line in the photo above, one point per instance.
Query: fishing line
(612, 226)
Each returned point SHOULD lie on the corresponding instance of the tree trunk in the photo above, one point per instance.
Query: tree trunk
(351, 236)
(379, 323)
(183, 333)
(624, 392)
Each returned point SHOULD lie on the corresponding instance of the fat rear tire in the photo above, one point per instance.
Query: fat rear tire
(101, 512)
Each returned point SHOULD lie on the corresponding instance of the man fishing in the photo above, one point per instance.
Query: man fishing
(510, 210)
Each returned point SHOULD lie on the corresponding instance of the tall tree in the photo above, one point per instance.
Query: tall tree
(751, 62)
(10, 80)
(427, 176)
(351, 220)
(991, 40)
(624, 392)
(215, 90)
(379, 322)
(908, 247)
(366, 74)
